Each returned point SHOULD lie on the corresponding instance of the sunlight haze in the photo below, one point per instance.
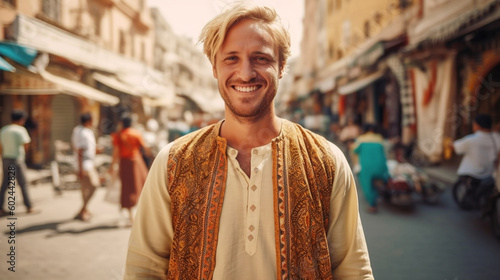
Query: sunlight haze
(188, 17)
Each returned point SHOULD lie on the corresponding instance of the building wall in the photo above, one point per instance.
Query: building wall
(8, 12)
(351, 22)
(123, 27)
(309, 43)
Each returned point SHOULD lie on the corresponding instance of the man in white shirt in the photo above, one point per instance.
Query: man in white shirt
(253, 196)
(14, 140)
(479, 150)
(84, 146)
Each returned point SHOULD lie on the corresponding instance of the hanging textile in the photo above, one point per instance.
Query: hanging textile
(406, 95)
(429, 92)
(432, 117)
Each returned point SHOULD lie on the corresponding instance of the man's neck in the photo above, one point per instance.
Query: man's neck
(246, 135)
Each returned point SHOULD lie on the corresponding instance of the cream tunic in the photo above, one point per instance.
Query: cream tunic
(246, 245)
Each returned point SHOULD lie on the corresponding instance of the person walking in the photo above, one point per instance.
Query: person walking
(14, 139)
(84, 146)
(253, 196)
(373, 163)
(127, 145)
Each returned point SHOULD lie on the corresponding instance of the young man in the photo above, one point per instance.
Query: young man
(253, 196)
(84, 146)
(14, 140)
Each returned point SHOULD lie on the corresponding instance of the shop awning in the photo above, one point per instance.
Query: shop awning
(450, 20)
(20, 54)
(360, 83)
(78, 89)
(372, 49)
(5, 66)
(326, 85)
(114, 83)
(29, 91)
(209, 103)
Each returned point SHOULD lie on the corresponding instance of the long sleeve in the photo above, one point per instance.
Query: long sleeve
(346, 240)
(152, 233)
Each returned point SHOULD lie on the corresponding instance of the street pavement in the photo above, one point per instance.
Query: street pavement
(52, 245)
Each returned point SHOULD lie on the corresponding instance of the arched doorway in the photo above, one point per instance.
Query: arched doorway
(64, 118)
(488, 95)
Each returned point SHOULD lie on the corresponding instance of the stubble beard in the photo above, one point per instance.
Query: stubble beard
(257, 112)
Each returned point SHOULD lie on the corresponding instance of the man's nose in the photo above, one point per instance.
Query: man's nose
(246, 71)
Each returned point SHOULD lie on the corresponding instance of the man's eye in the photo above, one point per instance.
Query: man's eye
(261, 58)
(231, 58)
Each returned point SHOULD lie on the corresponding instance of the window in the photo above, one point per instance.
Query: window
(96, 15)
(339, 4)
(51, 9)
(330, 7)
(10, 2)
(143, 51)
(122, 42)
(367, 29)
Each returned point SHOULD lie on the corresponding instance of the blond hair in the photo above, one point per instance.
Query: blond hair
(213, 34)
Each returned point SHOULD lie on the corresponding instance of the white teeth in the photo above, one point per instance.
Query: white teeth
(246, 89)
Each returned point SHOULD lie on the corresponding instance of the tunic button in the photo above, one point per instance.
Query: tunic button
(253, 207)
(254, 187)
(251, 228)
(250, 237)
(256, 170)
(255, 152)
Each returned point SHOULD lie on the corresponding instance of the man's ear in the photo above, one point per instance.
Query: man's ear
(282, 69)
(214, 72)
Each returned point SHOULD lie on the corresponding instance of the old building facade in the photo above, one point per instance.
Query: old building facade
(419, 69)
(69, 57)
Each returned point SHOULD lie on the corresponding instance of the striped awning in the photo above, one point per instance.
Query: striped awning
(5, 66)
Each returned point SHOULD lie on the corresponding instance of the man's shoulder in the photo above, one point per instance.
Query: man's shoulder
(311, 136)
(14, 129)
(196, 137)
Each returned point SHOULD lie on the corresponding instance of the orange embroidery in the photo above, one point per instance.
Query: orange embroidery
(303, 173)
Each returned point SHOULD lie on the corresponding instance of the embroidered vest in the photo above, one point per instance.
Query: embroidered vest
(303, 173)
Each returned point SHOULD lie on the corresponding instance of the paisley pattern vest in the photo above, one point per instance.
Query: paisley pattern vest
(303, 173)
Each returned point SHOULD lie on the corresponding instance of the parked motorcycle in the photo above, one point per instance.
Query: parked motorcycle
(495, 213)
(406, 184)
(473, 194)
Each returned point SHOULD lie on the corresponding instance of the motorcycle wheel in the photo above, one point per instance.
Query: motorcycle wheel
(431, 194)
(495, 218)
(460, 196)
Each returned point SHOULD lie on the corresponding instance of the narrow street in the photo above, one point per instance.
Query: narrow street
(430, 242)
(51, 245)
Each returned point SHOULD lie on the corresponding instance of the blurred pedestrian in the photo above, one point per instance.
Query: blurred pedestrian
(150, 136)
(350, 132)
(496, 132)
(348, 135)
(480, 151)
(14, 139)
(84, 146)
(127, 146)
(373, 163)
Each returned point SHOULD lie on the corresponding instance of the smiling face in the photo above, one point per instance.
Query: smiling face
(247, 70)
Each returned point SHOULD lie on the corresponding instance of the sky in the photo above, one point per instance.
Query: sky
(187, 17)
